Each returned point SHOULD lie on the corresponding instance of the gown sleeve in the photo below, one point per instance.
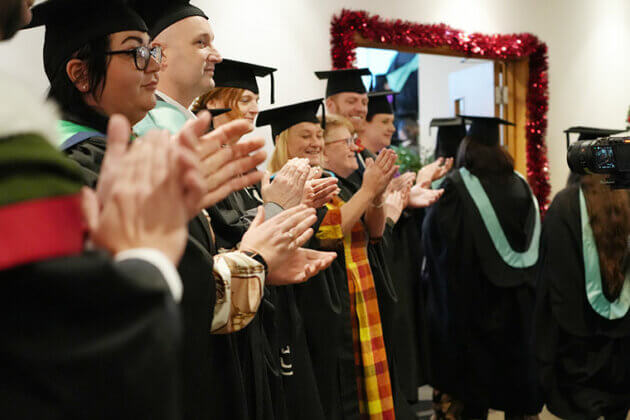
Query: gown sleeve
(85, 337)
(240, 282)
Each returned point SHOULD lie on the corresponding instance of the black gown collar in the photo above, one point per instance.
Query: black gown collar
(84, 115)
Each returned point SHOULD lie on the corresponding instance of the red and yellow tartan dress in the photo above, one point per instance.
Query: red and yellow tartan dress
(372, 371)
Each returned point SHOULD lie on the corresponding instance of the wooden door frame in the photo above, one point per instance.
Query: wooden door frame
(516, 74)
(525, 58)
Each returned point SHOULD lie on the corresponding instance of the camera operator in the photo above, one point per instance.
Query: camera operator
(585, 156)
(582, 322)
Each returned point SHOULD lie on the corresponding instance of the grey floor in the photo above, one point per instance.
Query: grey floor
(424, 410)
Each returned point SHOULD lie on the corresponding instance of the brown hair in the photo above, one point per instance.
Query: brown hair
(229, 96)
(609, 216)
(482, 160)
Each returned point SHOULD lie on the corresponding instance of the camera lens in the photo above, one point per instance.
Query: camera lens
(579, 156)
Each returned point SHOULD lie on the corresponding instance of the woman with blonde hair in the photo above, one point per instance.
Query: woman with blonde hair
(296, 132)
(338, 303)
(270, 388)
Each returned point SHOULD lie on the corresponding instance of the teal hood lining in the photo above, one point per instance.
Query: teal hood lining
(511, 257)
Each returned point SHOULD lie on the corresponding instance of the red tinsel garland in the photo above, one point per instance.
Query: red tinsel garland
(503, 47)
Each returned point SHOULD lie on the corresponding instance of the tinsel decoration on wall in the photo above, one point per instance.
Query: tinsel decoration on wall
(496, 47)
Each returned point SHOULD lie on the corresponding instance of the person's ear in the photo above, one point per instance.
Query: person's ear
(77, 73)
(331, 106)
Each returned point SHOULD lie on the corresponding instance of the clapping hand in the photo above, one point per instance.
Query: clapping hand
(227, 164)
(379, 172)
(287, 187)
(142, 201)
(423, 197)
(278, 241)
(318, 192)
(394, 205)
(433, 171)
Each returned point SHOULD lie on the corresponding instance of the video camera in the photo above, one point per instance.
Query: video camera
(606, 155)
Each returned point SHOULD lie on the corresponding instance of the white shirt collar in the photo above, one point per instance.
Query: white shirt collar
(164, 97)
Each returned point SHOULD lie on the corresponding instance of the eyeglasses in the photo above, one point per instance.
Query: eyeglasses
(350, 141)
(142, 55)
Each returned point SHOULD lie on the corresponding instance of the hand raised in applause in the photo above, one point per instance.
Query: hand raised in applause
(394, 205)
(379, 172)
(278, 241)
(423, 197)
(145, 202)
(319, 191)
(433, 171)
(287, 187)
(227, 164)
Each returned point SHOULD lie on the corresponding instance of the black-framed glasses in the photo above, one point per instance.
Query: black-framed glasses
(142, 55)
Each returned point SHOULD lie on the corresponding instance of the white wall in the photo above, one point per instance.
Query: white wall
(588, 44)
(475, 85)
(441, 79)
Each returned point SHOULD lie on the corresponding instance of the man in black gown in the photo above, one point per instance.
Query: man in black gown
(83, 335)
(247, 372)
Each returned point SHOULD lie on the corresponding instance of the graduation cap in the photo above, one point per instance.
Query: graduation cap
(346, 80)
(160, 14)
(451, 132)
(215, 112)
(379, 103)
(70, 24)
(285, 117)
(380, 82)
(591, 133)
(237, 74)
(485, 130)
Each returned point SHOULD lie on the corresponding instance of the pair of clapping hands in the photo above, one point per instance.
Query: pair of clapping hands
(149, 190)
(414, 191)
(299, 183)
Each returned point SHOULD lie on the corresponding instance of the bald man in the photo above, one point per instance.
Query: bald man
(189, 60)
(186, 37)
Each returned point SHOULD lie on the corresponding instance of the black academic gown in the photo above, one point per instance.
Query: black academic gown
(479, 309)
(324, 303)
(211, 376)
(257, 359)
(83, 337)
(274, 355)
(403, 247)
(583, 358)
(396, 318)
